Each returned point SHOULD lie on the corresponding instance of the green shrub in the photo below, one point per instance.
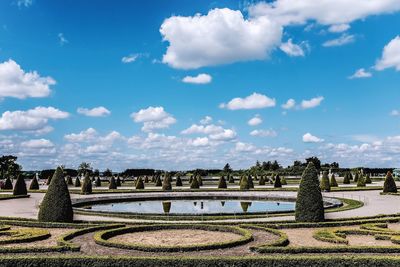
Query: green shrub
(244, 183)
(49, 180)
(277, 183)
(283, 180)
(231, 179)
(356, 177)
(368, 179)
(190, 179)
(194, 184)
(245, 206)
(166, 206)
(77, 182)
(118, 181)
(113, 183)
(139, 183)
(20, 187)
(8, 184)
(309, 203)
(333, 181)
(69, 180)
(222, 182)
(97, 183)
(86, 185)
(325, 185)
(250, 181)
(389, 185)
(346, 178)
(166, 185)
(178, 181)
(158, 181)
(34, 184)
(262, 180)
(200, 180)
(146, 179)
(360, 181)
(56, 205)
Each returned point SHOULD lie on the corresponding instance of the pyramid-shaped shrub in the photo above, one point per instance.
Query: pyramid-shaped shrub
(178, 181)
(361, 181)
(8, 184)
(118, 181)
(139, 183)
(283, 180)
(113, 183)
(166, 185)
(389, 186)
(325, 185)
(77, 182)
(356, 177)
(231, 179)
(244, 183)
(56, 205)
(69, 180)
(86, 185)
(194, 184)
(222, 182)
(200, 180)
(368, 179)
(250, 181)
(333, 181)
(346, 178)
(262, 180)
(97, 183)
(158, 181)
(20, 187)
(277, 183)
(34, 184)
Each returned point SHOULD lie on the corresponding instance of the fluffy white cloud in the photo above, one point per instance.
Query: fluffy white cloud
(264, 133)
(199, 141)
(202, 78)
(360, 73)
(15, 82)
(37, 143)
(130, 58)
(244, 147)
(291, 103)
(214, 132)
(253, 101)
(256, 120)
(94, 112)
(153, 118)
(339, 27)
(206, 120)
(309, 138)
(342, 40)
(220, 37)
(395, 112)
(83, 136)
(312, 103)
(390, 56)
(32, 119)
(291, 49)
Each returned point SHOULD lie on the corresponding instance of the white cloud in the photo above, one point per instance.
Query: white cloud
(153, 118)
(220, 37)
(312, 103)
(37, 143)
(214, 132)
(291, 103)
(309, 138)
(256, 120)
(291, 49)
(264, 133)
(199, 141)
(130, 58)
(342, 40)
(24, 3)
(15, 82)
(390, 56)
(360, 73)
(395, 112)
(202, 78)
(244, 147)
(61, 39)
(94, 112)
(32, 119)
(206, 120)
(83, 136)
(253, 101)
(339, 27)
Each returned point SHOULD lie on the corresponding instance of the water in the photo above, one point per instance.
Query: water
(197, 206)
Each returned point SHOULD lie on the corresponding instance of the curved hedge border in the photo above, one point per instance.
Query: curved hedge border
(10, 196)
(282, 240)
(101, 238)
(23, 235)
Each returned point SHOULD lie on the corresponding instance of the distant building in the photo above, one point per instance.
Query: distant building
(396, 173)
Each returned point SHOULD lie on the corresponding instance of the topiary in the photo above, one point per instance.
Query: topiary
(356, 177)
(8, 184)
(262, 180)
(56, 205)
(333, 182)
(34, 184)
(77, 182)
(325, 185)
(346, 178)
(200, 180)
(86, 185)
(222, 182)
(244, 183)
(277, 183)
(20, 187)
(231, 180)
(250, 181)
(190, 179)
(389, 186)
(283, 180)
(360, 181)
(113, 184)
(368, 179)
(166, 206)
(118, 181)
(194, 184)
(69, 180)
(166, 185)
(146, 179)
(97, 183)
(139, 183)
(49, 180)
(309, 202)
(158, 181)
(245, 206)
(350, 176)
(178, 181)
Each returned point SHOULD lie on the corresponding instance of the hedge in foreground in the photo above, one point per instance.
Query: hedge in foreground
(389, 186)
(56, 205)
(309, 203)
(20, 187)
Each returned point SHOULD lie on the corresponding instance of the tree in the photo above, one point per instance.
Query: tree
(118, 181)
(389, 186)
(107, 173)
(275, 165)
(56, 205)
(315, 161)
(178, 181)
(227, 168)
(333, 182)
(20, 187)
(87, 185)
(113, 184)
(266, 166)
(346, 178)
(222, 182)
(277, 183)
(84, 167)
(34, 184)
(96, 173)
(139, 183)
(5, 163)
(325, 185)
(77, 182)
(309, 202)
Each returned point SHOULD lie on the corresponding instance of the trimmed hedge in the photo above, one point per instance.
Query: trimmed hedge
(113, 183)
(20, 187)
(178, 181)
(139, 183)
(8, 184)
(389, 185)
(282, 240)
(222, 182)
(87, 185)
(23, 235)
(277, 182)
(333, 182)
(77, 182)
(34, 184)
(325, 185)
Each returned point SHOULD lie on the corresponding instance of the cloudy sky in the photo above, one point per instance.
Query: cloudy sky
(186, 84)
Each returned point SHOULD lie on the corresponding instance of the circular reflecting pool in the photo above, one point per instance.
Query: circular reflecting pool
(195, 206)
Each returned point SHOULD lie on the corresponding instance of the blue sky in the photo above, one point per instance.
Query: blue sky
(185, 84)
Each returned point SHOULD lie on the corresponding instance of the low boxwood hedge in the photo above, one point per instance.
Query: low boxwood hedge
(23, 235)
(282, 240)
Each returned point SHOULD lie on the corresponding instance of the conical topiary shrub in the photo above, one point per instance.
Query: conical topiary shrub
(250, 181)
(118, 181)
(231, 180)
(190, 179)
(49, 180)
(139, 183)
(8, 184)
(166, 185)
(178, 181)
(389, 186)
(34, 184)
(158, 181)
(97, 183)
(146, 179)
(368, 179)
(86, 185)
(333, 182)
(283, 180)
(346, 178)
(309, 203)
(194, 184)
(166, 206)
(77, 182)
(262, 180)
(325, 185)
(350, 176)
(277, 183)
(244, 183)
(200, 180)
(356, 177)
(245, 206)
(361, 181)
(20, 187)
(222, 182)
(113, 184)
(69, 180)
(56, 205)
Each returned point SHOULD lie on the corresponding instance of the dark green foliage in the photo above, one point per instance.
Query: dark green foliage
(222, 182)
(166, 206)
(166, 185)
(178, 181)
(86, 185)
(200, 180)
(56, 205)
(69, 180)
(77, 182)
(350, 176)
(333, 181)
(262, 180)
(389, 186)
(8, 184)
(146, 179)
(158, 181)
(231, 179)
(97, 183)
(245, 206)
(309, 203)
(118, 181)
(139, 183)
(244, 183)
(250, 181)
(20, 187)
(277, 183)
(34, 184)
(356, 177)
(190, 179)
(361, 181)
(346, 178)
(368, 179)
(113, 183)
(49, 180)
(283, 180)
(194, 184)
(325, 185)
